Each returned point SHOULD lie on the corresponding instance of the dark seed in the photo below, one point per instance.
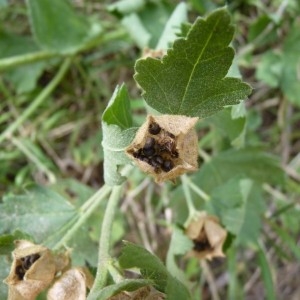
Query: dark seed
(149, 152)
(154, 128)
(20, 272)
(29, 260)
(154, 163)
(201, 245)
(167, 165)
(158, 159)
(150, 142)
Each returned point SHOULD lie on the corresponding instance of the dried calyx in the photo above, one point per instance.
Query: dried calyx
(165, 146)
(208, 236)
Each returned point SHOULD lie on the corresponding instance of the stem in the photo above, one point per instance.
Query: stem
(31, 155)
(86, 210)
(104, 257)
(14, 61)
(188, 196)
(197, 189)
(38, 100)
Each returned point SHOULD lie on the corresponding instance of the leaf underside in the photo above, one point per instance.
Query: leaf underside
(190, 79)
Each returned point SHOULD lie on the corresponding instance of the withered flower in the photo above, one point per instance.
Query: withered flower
(207, 235)
(71, 284)
(165, 146)
(32, 270)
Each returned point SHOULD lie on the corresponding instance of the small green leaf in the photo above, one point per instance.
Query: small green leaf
(128, 285)
(39, 213)
(190, 79)
(118, 109)
(134, 256)
(57, 27)
(117, 135)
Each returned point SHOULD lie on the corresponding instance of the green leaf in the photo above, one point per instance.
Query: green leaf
(57, 27)
(117, 135)
(118, 109)
(247, 163)
(239, 204)
(190, 79)
(134, 256)
(114, 143)
(39, 213)
(125, 285)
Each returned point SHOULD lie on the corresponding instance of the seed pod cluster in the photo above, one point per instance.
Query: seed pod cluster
(165, 146)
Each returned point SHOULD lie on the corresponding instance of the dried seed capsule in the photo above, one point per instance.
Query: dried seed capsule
(154, 128)
(175, 140)
(167, 165)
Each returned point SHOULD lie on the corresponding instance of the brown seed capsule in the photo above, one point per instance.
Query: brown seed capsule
(172, 138)
(207, 235)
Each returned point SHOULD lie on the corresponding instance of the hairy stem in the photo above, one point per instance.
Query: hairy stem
(104, 257)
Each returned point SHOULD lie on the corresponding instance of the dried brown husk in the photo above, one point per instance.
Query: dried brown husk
(144, 293)
(206, 232)
(71, 284)
(176, 129)
(36, 278)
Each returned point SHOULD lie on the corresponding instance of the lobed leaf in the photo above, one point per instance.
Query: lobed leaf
(190, 80)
